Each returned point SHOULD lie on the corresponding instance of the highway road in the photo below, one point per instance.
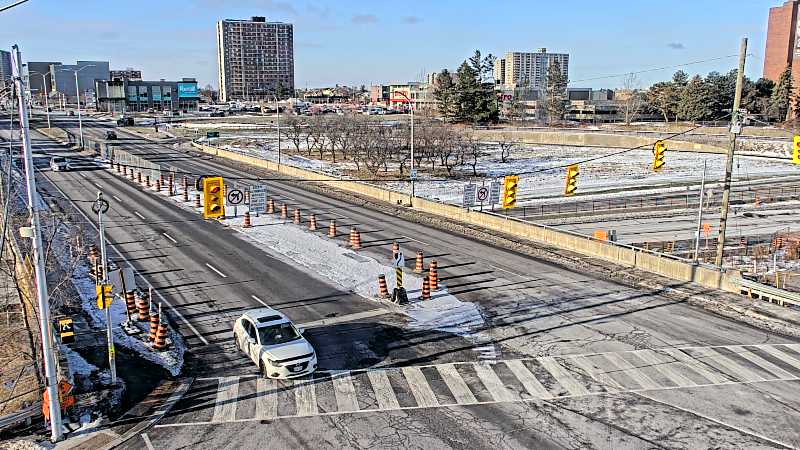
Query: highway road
(564, 359)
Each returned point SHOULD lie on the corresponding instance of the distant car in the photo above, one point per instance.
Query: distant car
(125, 121)
(272, 342)
(110, 135)
(58, 164)
(218, 114)
(71, 113)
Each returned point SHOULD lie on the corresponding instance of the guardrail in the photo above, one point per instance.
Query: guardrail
(771, 294)
(24, 415)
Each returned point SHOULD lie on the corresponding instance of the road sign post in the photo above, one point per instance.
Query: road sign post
(235, 198)
(482, 195)
(100, 207)
(494, 193)
(399, 294)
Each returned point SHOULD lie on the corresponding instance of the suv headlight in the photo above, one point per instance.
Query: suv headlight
(273, 363)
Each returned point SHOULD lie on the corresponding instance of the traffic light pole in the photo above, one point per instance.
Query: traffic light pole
(102, 207)
(38, 256)
(735, 130)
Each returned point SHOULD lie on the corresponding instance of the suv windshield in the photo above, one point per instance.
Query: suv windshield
(59, 160)
(277, 334)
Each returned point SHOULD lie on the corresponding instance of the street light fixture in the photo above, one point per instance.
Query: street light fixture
(46, 95)
(413, 172)
(78, 95)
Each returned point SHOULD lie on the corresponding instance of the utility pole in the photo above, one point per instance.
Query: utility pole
(42, 296)
(736, 128)
(100, 206)
(699, 216)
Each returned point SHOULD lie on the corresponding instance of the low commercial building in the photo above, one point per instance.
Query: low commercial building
(392, 95)
(119, 96)
(126, 74)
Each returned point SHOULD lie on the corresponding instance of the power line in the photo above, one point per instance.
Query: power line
(4, 8)
(656, 69)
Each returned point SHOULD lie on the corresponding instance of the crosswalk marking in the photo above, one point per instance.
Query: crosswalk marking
(493, 384)
(791, 360)
(562, 376)
(699, 368)
(225, 405)
(266, 400)
(636, 375)
(419, 387)
(531, 384)
(306, 398)
(384, 394)
(761, 362)
(345, 391)
(456, 385)
(666, 368)
(599, 375)
(740, 372)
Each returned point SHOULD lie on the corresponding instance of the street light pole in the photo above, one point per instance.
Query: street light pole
(102, 207)
(413, 174)
(78, 95)
(38, 256)
(46, 101)
(700, 216)
(278, 125)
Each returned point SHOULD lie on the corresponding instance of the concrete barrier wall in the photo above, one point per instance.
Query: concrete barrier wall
(594, 139)
(626, 256)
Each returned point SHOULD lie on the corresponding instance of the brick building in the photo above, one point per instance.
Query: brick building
(783, 41)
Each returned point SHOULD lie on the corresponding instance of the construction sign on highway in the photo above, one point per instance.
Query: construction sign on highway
(258, 199)
(469, 195)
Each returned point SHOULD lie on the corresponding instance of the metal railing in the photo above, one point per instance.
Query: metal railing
(757, 290)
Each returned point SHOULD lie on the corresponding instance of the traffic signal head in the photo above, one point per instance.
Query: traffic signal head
(510, 184)
(213, 195)
(658, 155)
(796, 150)
(572, 180)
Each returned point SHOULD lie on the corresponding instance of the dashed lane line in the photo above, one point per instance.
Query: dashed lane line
(116, 198)
(170, 238)
(139, 215)
(416, 240)
(259, 300)
(216, 270)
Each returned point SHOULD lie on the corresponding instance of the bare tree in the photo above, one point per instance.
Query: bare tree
(473, 152)
(630, 98)
(505, 143)
(295, 130)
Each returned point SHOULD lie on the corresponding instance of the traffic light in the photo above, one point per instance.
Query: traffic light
(213, 195)
(104, 295)
(510, 184)
(796, 150)
(572, 180)
(658, 155)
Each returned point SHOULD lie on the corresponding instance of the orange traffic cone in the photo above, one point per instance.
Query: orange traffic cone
(332, 229)
(284, 211)
(270, 206)
(383, 289)
(312, 222)
(158, 185)
(154, 319)
(426, 289)
(247, 219)
(147, 181)
(296, 218)
(395, 249)
(161, 338)
(420, 264)
(197, 203)
(433, 276)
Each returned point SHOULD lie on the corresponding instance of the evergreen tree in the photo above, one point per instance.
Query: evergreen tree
(680, 78)
(695, 100)
(468, 90)
(664, 97)
(445, 94)
(555, 92)
(782, 96)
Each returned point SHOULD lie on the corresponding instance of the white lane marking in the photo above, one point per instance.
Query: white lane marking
(456, 384)
(267, 399)
(117, 198)
(792, 361)
(345, 318)
(528, 379)
(97, 184)
(419, 386)
(493, 383)
(139, 215)
(260, 301)
(761, 362)
(116, 250)
(508, 271)
(696, 366)
(227, 397)
(306, 398)
(665, 367)
(598, 374)
(416, 240)
(384, 394)
(562, 376)
(170, 238)
(636, 375)
(345, 391)
(733, 368)
(147, 442)
(215, 270)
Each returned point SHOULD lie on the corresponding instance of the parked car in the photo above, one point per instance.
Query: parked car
(125, 122)
(272, 342)
(58, 164)
(218, 114)
(111, 135)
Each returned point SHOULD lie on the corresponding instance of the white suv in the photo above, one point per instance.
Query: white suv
(271, 340)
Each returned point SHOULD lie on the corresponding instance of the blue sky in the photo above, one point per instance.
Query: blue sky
(363, 42)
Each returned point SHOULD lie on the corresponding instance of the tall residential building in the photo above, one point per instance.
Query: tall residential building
(528, 69)
(783, 41)
(5, 66)
(255, 58)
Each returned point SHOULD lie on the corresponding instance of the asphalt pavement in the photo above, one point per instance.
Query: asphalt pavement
(565, 359)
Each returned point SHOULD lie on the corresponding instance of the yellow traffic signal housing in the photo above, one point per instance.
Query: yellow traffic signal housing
(214, 197)
(658, 155)
(104, 295)
(796, 150)
(510, 184)
(66, 330)
(572, 180)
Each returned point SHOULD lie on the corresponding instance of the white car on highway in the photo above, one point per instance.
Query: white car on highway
(59, 163)
(271, 341)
